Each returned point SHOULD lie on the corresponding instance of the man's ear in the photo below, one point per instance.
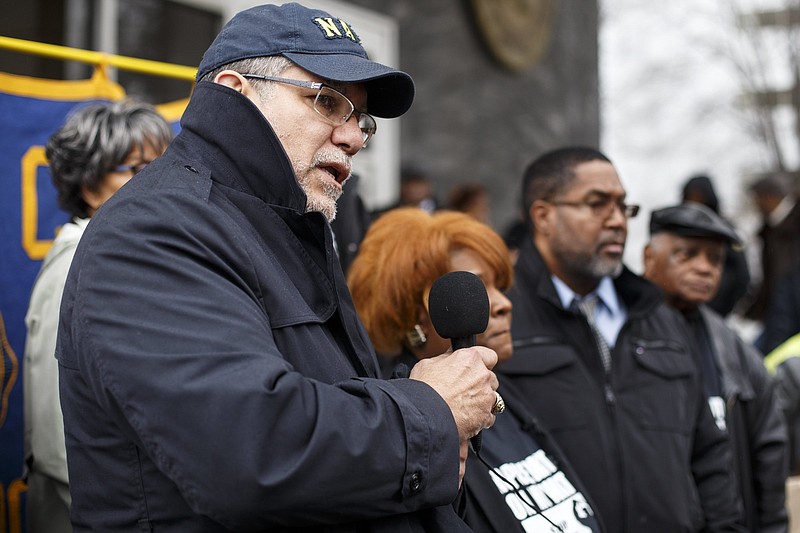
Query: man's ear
(540, 213)
(649, 258)
(234, 80)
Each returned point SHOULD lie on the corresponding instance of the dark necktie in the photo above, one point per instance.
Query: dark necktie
(586, 307)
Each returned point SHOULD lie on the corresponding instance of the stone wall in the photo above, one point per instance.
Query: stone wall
(474, 119)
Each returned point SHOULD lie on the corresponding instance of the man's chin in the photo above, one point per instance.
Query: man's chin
(324, 203)
(327, 211)
(607, 267)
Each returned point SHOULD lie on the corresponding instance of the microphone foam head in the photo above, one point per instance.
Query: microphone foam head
(458, 305)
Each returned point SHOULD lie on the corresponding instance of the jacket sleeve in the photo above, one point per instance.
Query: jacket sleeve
(783, 316)
(175, 345)
(44, 431)
(768, 444)
(713, 473)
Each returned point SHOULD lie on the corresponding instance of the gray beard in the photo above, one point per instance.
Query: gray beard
(325, 205)
(601, 268)
(590, 268)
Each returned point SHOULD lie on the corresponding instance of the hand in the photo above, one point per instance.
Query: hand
(464, 380)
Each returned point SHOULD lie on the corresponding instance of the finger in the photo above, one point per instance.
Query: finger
(488, 356)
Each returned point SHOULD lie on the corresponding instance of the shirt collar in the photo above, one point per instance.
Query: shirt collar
(605, 291)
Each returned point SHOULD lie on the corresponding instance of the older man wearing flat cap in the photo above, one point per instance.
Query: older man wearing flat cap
(685, 257)
(214, 374)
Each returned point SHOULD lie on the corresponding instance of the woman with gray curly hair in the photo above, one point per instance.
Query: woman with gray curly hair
(99, 148)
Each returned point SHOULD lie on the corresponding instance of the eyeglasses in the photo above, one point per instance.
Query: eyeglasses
(332, 105)
(602, 207)
(138, 167)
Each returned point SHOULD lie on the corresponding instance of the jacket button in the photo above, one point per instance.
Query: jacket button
(416, 482)
(191, 169)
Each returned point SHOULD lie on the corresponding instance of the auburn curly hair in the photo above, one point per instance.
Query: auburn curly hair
(402, 254)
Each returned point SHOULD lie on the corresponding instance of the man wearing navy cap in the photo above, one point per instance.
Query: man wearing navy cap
(685, 257)
(214, 374)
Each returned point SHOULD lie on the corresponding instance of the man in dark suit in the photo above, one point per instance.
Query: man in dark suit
(606, 366)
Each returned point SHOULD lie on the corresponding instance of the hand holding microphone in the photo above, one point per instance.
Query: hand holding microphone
(459, 310)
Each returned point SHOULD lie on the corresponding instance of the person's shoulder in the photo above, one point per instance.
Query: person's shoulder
(159, 193)
(713, 318)
(789, 349)
(168, 177)
(640, 296)
(64, 244)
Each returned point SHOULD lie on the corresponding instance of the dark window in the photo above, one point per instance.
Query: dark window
(160, 30)
(166, 31)
(35, 20)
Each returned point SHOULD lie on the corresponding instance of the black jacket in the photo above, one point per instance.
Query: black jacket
(780, 253)
(756, 426)
(214, 375)
(647, 449)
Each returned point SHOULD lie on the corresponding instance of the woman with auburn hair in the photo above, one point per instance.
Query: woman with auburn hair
(519, 481)
(402, 254)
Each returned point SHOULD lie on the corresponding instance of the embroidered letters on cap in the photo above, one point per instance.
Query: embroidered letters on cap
(336, 29)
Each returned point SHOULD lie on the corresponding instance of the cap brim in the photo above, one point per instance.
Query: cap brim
(390, 92)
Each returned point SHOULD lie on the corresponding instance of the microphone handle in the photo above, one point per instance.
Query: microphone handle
(468, 342)
(463, 342)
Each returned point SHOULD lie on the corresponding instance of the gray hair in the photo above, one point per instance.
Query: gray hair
(265, 66)
(96, 138)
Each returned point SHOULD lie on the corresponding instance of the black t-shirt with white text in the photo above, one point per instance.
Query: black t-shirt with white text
(536, 491)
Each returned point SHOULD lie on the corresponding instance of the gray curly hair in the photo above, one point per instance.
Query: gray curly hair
(93, 140)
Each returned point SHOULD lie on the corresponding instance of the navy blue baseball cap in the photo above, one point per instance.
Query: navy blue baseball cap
(322, 44)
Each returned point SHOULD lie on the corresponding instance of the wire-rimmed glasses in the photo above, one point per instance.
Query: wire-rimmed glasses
(602, 207)
(138, 167)
(330, 104)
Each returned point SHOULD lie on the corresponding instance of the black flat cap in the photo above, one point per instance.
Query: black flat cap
(692, 220)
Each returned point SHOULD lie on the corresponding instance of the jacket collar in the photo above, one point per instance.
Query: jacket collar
(230, 136)
(639, 295)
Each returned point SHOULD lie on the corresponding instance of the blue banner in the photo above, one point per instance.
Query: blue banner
(31, 110)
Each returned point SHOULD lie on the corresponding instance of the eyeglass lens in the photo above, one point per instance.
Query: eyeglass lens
(603, 208)
(138, 167)
(337, 108)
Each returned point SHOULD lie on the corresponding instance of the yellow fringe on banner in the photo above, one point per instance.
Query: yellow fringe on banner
(98, 86)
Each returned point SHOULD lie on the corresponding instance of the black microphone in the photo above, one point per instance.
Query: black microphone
(459, 309)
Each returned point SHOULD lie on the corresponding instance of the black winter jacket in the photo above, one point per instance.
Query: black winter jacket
(644, 444)
(214, 374)
(756, 427)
